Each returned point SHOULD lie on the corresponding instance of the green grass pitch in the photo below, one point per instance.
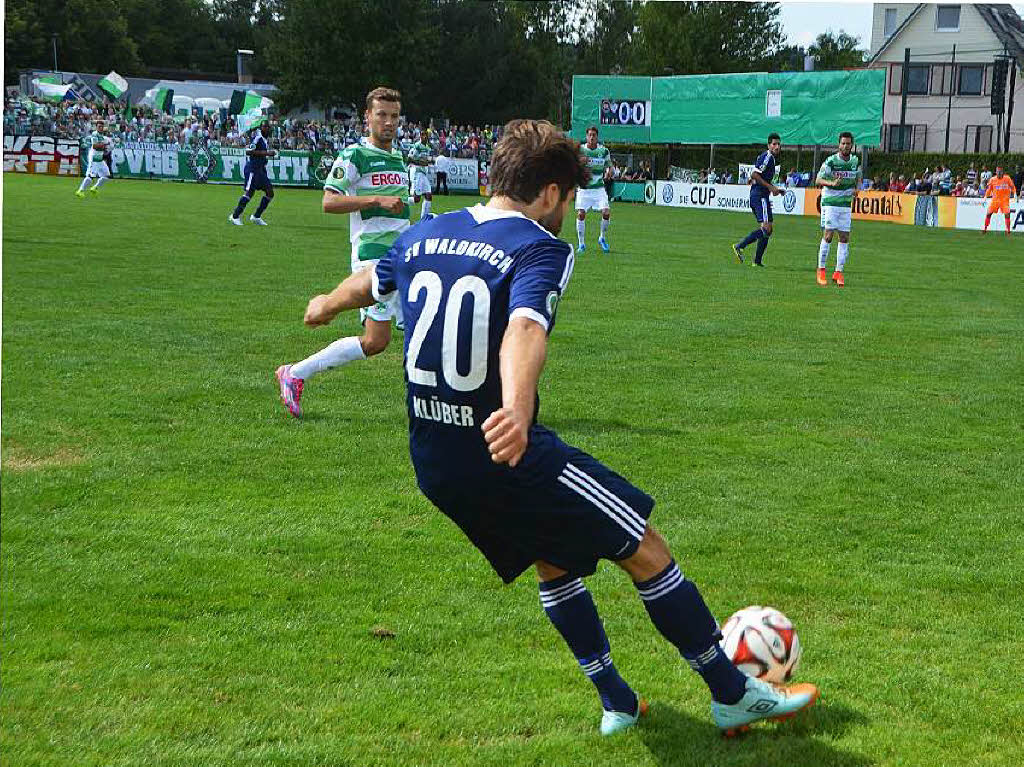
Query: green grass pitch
(191, 577)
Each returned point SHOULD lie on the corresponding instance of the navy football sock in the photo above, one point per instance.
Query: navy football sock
(679, 613)
(263, 206)
(242, 202)
(762, 246)
(754, 235)
(569, 606)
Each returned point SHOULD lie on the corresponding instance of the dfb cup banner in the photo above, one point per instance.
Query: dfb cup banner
(732, 197)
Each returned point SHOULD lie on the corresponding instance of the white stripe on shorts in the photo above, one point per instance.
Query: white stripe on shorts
(585, 486)
(608, 495)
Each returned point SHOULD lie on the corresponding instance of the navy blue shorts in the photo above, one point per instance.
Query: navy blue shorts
(571, 516)
(256, 180)
(762, 207)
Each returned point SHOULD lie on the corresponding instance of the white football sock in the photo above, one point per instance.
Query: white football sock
(841, 253)
(823, 255)
(604, 226)
(341, 352)
(425, 211)
(85, 184)
(99, 182)
(581, 227)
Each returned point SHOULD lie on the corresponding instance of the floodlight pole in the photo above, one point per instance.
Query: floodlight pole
(903, 105)
(1009, 107)
(53, 38)
(949, 106)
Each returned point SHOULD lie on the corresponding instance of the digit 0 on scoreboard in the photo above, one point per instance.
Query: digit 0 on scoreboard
(626, 112)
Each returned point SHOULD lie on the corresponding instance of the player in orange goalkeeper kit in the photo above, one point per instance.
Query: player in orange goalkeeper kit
(1000, 187)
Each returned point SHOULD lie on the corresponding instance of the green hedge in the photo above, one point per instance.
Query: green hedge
(881, 164)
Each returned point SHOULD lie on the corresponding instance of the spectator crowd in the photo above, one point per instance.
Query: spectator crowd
(24, 116)
(74, 119)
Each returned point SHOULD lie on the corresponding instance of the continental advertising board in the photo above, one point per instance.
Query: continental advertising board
(896, 208)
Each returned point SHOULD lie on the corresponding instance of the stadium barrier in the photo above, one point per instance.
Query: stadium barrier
(680, 194)
(41, 154)
(628, 191)
(197, 163)
(897, 208)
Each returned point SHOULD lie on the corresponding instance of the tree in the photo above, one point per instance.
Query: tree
(611, 26)
(487, 72)
(788, 58)
(836, 51)
(704, 38)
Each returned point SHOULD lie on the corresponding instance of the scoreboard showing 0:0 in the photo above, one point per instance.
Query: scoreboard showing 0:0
(625, 112)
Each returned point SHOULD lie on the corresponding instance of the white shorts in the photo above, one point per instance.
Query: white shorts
(592, 199)
(97, 168)
(382, 311)
(835, 218)
(420, 184)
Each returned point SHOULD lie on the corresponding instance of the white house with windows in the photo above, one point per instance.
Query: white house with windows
(944, 87)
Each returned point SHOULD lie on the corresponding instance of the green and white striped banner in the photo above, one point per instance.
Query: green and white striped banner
(114, 85)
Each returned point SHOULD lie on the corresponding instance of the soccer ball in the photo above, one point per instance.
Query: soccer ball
(762, 643)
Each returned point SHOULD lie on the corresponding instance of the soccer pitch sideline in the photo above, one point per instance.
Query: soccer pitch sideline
(191, 577)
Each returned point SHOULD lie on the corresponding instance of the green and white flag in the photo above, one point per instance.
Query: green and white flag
(49, 90)
(252, 113)
(161, 99)
(114, 85)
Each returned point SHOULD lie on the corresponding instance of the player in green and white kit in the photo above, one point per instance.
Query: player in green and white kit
(96, 168)
(370, 182)
(594, 195)
(421, 158)
(838, 178)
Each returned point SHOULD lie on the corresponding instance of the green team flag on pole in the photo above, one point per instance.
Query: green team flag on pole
(252, 110)
(162, 98)
(49, 88)
(114, 85)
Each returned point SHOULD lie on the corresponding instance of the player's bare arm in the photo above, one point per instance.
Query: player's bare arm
(523, 351)
(354, 293)
(345, 203)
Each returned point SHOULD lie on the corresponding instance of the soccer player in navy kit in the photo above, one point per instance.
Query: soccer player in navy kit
(256, 178)
(480, 289)
(761, 190)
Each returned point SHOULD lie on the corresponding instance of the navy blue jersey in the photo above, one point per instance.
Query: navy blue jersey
(765, 165)
(461, 277)
(258, 162)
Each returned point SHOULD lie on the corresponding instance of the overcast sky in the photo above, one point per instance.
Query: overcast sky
(803, 22)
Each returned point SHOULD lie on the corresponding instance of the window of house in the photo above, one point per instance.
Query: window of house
(890, 20)
(942, 79)
(972, 80)
(918, 76)
(947, 18)
(911, 139)
(978, 138)
(895, 77)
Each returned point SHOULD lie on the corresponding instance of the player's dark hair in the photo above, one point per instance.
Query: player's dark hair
(382, 94)
(592, 128)
(774, 137)
(532, 154)
(846, 134)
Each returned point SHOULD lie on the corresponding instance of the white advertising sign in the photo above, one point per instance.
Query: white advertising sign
(462, 175)
(970, 214)
(724, 197)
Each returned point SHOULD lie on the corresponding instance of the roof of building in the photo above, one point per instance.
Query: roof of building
(1001, 18)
